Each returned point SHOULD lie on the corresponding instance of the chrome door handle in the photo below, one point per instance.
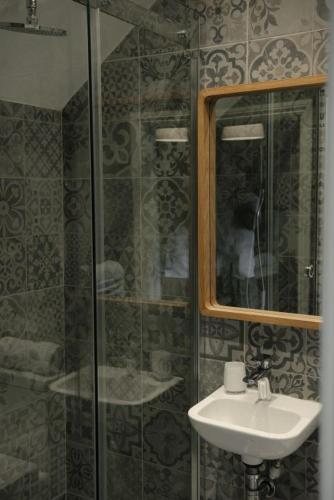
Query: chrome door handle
(309, 271)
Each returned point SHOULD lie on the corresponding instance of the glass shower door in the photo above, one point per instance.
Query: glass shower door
(144, 80)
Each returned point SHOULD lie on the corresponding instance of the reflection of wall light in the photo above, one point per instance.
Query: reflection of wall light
(172, 135)
(252, 132)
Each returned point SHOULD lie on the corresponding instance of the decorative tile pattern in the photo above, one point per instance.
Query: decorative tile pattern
(124, 425)
(291, 485)
(321, 52)
(222, 340)
(12, 213)
(13, 316)
(278, 17)
(223, 66)
(12, 266)
(313, 353)
(45, 262)
(43, 148)
(166, 439)
(121, 154)
(280, 58)
(123, 327)
(285, 345)
(44, 206)
(76, 150)
(76, 109)
(120, 89)
(124, 477)
(312, 471)
(212, 376)
(77, 206)
(78, 259)
(128, 48)
(165, 483)
(79, 420)
(165, 84)
(221, 21)
(78, 313)
(80, 470)
(45, 315)
(11, 147)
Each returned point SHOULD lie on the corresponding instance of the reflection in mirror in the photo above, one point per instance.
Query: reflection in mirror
(269, 148)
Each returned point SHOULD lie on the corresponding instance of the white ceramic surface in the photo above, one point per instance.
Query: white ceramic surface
(266, 430)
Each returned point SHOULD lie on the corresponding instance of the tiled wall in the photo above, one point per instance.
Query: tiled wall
(248, 42)
(32, 440)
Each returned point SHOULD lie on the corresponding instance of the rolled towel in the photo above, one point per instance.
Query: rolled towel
(41, 358)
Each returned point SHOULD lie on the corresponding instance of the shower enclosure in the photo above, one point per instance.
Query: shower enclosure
(96, 209)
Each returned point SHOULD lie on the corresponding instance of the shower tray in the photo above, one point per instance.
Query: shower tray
(116, 385)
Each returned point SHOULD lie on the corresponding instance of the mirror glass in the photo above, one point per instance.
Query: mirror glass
(268, 158)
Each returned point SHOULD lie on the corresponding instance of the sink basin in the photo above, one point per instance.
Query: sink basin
(257, 430)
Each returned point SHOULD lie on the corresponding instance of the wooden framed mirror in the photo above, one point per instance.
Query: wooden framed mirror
(260, 180)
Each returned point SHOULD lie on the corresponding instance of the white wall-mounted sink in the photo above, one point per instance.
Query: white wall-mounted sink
(257, 430)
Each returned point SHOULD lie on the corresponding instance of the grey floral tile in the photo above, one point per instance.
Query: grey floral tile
(291, 485)
(167, 328)
(123, 428)
(45, 315)
(13, 316)
(321, 52)
(123, 327)
(122, 242)
(212, 376)
(221, 21)
(124, 479)
(78, 313)
(11, 109)
(279, 17)
(43, 149)
(78, 259)
(154, 43)
(223, 66)
(12, 143)
(285, 345)
(222, 339)
(76, 110)
(312, 388)
(12, 266)
(76, 150)
(166, 438)
(221, 467)
(290, 384)
(313, 353)
(79, 420)
(120, 89)
(312, 471)
(34, 113)
(77, 205)
(12, 210)
(45, 262)
(121, 149)
(128, 48)
(165, 84)
(80, 470)
(44, 206)
(164, 159)
(165, 483)
(279, 58)
(79, 354)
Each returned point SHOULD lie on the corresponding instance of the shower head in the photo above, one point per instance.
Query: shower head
(251, 132)
(32, 27)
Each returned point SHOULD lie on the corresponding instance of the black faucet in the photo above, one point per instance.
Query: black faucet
(263, 366)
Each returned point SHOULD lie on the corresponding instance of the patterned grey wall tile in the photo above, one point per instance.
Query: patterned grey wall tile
(12, 143)
(165, 484)
(164, 159)
(123, 326)
(312, 471)
(120, 89)
(166, 439)
(290, 384)
(80, 470)
(321, 52)
(121, 153)
(313, 353)
(11, 109)
(322, 13)
(76, 109)
(212, 376)
(77, 205)
(44, 206)
(78, 259)
(312, 389)
(222, 340)
(291, 485)
(45, 315)
(124, 479)
(286, 346)
(78, 313)
(279, 58)
(128, 48)
(76, 150)
(78, 354)
(167, 328)
(165, 84)
(279, 17)
(221, 21)
(79, 420)
(12, 266)
(122, 242)
(13, 316)
(43, 149)
(123, 430)
(223, 66)
(12, 212)
(45, 262)
(154, 43)
(36, 114)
